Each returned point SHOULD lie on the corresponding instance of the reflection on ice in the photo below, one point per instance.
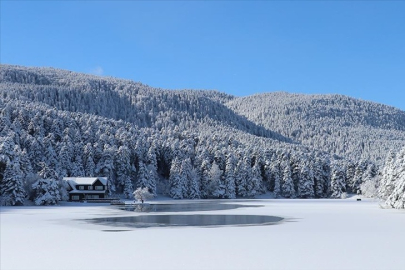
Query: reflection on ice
(147, 221)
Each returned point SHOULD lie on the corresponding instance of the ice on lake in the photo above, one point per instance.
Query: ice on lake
(186, 220)
(183, 207)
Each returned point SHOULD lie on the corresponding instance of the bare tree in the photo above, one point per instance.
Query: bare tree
(142, 194)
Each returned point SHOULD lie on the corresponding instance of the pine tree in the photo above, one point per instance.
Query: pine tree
(122, 165)
(128, 187)
(152, 168)
(338, 185)
(243, 171)
(105, 166)
(397, 197)
(254, 184)
(50, 153)
(46, 192)
(229, 179)
(295, 169)
(358, 176)
(205, 178)
(143, 176)
(272, 169)
(287, 189)
(216, 188)
(192, 189)
(387, 183)
(89, 164)
(350, 173)
(12, 189)
(277, 184)
(306, 182)
(194, 185)
(319, 180)
(176, 180)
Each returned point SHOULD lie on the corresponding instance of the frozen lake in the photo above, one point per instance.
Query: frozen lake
(189, 206)
(185, 220)
(313, 234)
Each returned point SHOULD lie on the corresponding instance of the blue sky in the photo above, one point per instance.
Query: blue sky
(355, 48)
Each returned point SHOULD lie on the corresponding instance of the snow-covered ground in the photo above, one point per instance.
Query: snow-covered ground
(317, 234)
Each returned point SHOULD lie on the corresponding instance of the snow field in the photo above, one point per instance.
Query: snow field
(316, 234)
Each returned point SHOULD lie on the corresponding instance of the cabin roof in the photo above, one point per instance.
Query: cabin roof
(73, 181)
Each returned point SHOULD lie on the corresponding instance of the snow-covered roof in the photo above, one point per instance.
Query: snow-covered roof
(73, 181)
(76, 191)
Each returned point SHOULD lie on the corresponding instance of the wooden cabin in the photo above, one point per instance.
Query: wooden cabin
(84, 188)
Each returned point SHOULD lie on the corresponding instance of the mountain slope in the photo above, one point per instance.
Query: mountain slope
(121, 99)
(186, 144)
(336, 124)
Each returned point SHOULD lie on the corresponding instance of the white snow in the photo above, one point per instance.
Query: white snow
(317, 234)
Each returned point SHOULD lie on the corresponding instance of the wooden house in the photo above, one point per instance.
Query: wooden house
(83, 188)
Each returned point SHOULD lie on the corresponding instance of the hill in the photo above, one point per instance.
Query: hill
(337, 124)
(186, 144)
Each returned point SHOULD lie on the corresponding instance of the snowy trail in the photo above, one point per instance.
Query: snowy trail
(317, 234)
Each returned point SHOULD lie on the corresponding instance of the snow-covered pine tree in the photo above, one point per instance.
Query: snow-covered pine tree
(46, 192)
(358, 176)
(151, 162)
(254, 183)
(143, 175)
(194, 185)
(295, 168)
(338, 183)
(105, 166)
(326, 172)
(397, 197)
(50, 153)
(243, 171)
(192, 188)
(35, 152)
(205, 178)
(89, 164)
(122, 165)
(277, 181)
(128, 187)
(369, 186)
(287, 188)
(216, 187)
(306, 182)
(12, 190)
(319, 181)
(176, 180)
(274, 178)
(229, 178)
(350, 173)
(47, 189)
(387, 183)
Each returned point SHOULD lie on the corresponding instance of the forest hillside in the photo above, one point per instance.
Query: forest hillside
(185, 144)
(337, 124)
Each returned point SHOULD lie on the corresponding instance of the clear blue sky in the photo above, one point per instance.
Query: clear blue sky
(355, 48)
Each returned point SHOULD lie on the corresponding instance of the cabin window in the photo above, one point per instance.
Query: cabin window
(90, 187)
(92, 197)
(81, 187)
(99, 188)
(75, 198)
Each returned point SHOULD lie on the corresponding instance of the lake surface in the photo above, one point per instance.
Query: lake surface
(176, 220)
(177, 215)
(182, 207)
